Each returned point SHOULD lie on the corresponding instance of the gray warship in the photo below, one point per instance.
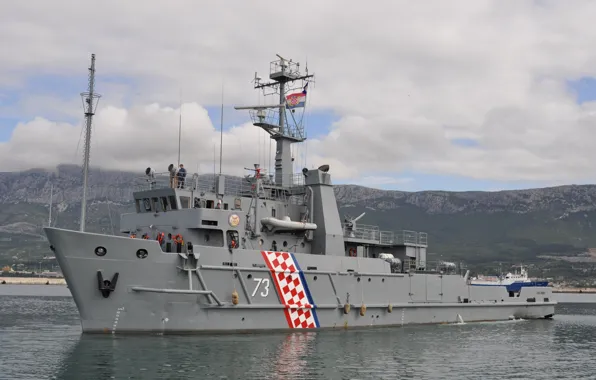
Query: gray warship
(264, 251)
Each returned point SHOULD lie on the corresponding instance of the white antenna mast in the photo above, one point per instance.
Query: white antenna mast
(180, 129)
(50, 215)
(89, 104)
(221, 130)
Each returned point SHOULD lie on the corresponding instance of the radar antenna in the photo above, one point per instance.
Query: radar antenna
(273, 119)
(90, 102)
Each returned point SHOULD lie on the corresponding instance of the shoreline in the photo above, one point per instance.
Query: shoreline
(575, 290)
(62, 281)
(32, 281)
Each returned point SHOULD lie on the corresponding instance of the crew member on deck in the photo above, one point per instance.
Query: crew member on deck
(169, 242)
(161, 239)
(181, 176)
(179, 243)
(172, 170)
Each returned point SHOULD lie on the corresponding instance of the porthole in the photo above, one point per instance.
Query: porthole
(358, 279)
(285, 243)
(101, 251)
(249, 276)
(369, 280)
(142, 253)
(315, 278)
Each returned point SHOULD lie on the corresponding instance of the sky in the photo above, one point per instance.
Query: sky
(433, 95)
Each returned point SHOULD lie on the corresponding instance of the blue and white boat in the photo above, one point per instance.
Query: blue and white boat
(512, 281)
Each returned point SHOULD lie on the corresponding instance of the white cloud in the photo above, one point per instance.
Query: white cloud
(133, 140)
(405, 78)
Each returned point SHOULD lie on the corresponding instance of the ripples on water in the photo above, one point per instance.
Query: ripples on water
(41, 338)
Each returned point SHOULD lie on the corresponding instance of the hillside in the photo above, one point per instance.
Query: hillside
(476, 227)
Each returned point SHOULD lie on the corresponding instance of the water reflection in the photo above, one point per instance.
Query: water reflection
(41, 339)
(389, 353)
(188, 357)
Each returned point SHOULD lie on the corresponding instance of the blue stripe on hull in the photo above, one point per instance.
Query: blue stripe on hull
(307, 290)
(516, 286)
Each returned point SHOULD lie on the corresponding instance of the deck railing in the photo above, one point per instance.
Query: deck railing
(234, 185)
(373, 233)
(432, 266)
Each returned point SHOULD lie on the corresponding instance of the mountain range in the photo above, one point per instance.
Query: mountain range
(553, 228)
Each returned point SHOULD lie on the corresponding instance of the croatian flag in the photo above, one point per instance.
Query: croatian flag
(296, 100)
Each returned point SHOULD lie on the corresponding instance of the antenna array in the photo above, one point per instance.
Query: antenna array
(90, 101)
(285, 77)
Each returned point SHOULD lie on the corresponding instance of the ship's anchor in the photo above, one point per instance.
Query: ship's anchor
(106, 286)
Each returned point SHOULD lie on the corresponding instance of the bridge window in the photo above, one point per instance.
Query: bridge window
(146, 204)
(210, 204)
(165, 204)
(273, 212)
(184, 202)
(173, 202)
(225, 206)
(156, 205)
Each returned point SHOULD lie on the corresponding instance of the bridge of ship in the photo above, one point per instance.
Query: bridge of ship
(369, 241)
(155, 194)
(207, 187)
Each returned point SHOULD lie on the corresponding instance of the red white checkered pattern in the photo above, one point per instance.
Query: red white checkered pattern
(290, 288)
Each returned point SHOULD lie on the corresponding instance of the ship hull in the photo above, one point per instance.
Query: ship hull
(157, 292)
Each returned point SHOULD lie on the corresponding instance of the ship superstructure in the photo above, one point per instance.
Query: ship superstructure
(213, 252)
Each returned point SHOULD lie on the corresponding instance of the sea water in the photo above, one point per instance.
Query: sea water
(40, 338)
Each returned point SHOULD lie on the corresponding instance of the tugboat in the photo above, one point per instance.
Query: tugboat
(263, 252)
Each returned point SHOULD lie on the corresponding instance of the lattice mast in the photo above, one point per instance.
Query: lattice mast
(90, 100)
(273, 118)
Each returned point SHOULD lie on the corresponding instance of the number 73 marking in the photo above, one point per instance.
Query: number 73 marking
(265, 282)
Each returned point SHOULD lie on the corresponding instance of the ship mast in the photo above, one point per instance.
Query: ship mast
(50, 214)
(90, 100)
(273, 119)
